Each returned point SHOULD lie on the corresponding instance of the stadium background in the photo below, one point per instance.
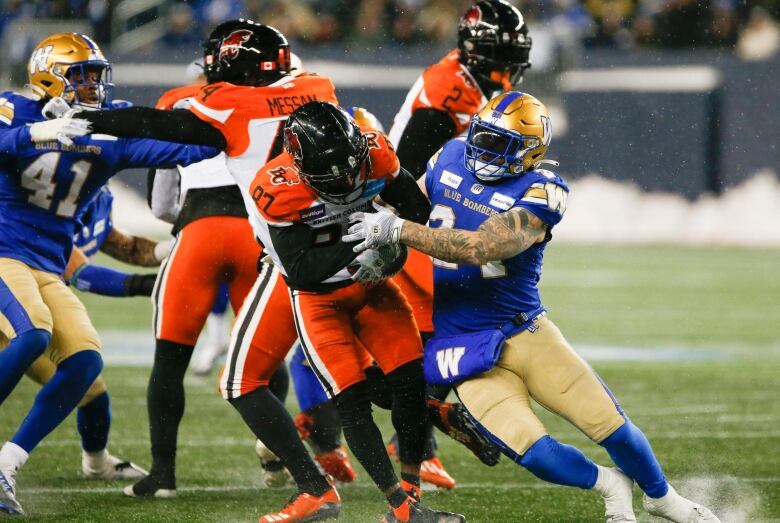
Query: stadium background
(664, 272)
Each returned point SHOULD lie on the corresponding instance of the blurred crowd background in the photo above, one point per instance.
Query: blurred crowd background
(750, 27)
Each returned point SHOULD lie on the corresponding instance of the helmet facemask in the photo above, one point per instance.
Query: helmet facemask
(86, 84)
(493, 153)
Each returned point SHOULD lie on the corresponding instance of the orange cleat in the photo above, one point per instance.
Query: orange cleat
(432, 471)
(336, 463)
(305, 507)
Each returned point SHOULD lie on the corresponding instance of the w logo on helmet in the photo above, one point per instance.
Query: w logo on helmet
(39, 59)
(232, 43)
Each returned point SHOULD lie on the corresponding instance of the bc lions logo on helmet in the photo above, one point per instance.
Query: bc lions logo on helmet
(232, 43)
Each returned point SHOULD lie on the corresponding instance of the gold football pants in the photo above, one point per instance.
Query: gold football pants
(539, 363)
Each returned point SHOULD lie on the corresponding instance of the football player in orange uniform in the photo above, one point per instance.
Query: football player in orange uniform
(343, 304)
(492, 54)
(214, 247)
(243, 114)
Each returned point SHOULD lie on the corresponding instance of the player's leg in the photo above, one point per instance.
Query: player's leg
(499, 401)
(184, 292)
(565, 384)
(215, 335)
(318, 422)
(93, 421)
(400, 358)
(261, 337)
(24, 320)
(74, 349)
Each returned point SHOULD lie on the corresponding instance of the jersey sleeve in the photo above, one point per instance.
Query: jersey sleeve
(450, 91)
(546, 197)
(384, 161)
(142, 152)
(219, 105)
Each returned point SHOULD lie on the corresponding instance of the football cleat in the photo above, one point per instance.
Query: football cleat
(275, 474)
(336, 463)
(151, 487)
(8, 502)
(676, 508)
(431, 470)
(412, 490)
(412, 511)
(110, 467)
(454, 420)
(304, 507)
(617, 490)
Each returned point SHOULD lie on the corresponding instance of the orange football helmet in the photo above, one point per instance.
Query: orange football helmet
(72, 66)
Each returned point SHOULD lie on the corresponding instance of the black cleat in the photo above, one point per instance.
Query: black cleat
(454, 420)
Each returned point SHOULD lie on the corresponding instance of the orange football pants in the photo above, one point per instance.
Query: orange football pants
(340, 331)
(416, 282)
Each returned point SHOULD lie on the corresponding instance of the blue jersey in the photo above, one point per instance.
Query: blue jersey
(470, 298)
(94, 223)
(44, 187)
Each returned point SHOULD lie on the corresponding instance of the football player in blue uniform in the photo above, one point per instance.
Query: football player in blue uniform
(44, 186)
(493, 210)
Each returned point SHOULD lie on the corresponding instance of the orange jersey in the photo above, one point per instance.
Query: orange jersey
(446, 86)
(170, 97)
(240, 111)
(282, 198)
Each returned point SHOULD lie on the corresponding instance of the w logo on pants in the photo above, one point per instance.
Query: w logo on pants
(448, 361)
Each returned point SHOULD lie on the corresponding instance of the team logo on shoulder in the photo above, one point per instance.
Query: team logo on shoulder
(232, 43)
(477, 188)
(283, 176)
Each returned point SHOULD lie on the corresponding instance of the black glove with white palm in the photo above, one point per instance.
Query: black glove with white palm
(375, 229)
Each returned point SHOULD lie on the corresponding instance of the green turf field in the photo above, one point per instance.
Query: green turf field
(710, 408)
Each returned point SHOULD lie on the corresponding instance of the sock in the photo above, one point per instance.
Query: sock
(279, 384)
(629, 449)
(561, 464)
(397, 498)
(363, 436)
(13, 455)
(414, 479)
(59, 397)
(410, 413)
(271, 423)
(20, 353)
(165, 403)
(94, 421)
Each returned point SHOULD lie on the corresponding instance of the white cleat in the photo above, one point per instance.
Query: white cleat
(275, 474)
(110, 467)
(8, 503)
(617, 490)
(214, 344)
(676, 508)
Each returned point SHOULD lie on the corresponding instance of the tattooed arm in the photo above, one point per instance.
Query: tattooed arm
(130, 249)
(498, 238)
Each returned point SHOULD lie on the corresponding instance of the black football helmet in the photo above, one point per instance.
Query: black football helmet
(251, 54)
(494, 45)
(211, 49)
(329, 150)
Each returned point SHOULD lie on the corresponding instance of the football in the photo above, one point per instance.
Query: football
(391, 259)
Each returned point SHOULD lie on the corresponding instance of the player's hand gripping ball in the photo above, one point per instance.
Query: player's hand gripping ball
(375, 265)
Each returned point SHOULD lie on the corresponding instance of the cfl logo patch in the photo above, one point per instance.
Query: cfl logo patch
(39, 58)
(448, 361)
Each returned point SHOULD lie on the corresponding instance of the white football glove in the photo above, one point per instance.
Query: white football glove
(59, 129)
(375, 229)
(368, 267)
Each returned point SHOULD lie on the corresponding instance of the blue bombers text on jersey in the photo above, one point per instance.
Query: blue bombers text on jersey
(470, 298)
(45, 186)
(94, 223)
